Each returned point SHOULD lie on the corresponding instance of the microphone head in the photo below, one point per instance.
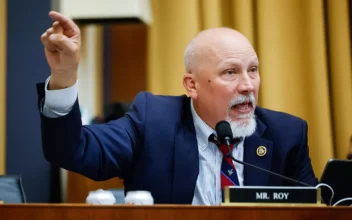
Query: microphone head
(223, 130)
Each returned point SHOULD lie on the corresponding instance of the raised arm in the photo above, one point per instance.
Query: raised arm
(100, 151)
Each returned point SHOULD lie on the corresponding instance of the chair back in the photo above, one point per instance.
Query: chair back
(11, 189)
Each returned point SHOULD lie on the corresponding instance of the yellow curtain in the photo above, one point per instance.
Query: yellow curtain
(340, 73)
(304, 52)
(3, 26)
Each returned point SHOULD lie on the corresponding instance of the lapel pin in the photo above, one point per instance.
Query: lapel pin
(261, 151)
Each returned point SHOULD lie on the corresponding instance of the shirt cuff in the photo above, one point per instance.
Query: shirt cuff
(59, 102)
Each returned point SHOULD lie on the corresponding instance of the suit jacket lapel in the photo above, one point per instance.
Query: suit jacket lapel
(186, 159)
(254, 176)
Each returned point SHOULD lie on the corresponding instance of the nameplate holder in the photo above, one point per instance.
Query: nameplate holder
(268, 195)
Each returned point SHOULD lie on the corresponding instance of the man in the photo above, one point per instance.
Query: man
(166, 144)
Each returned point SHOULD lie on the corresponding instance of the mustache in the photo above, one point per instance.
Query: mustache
(242, 99)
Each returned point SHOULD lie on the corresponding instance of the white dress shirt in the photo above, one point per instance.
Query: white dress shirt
(208, 189)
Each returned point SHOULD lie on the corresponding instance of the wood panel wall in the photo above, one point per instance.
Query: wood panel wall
(129, 61)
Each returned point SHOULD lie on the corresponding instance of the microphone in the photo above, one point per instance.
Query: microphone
(225, 136)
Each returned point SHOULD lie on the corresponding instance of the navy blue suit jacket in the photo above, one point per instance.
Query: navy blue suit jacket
(154, 147)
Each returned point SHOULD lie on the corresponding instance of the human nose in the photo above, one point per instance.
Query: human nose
(245, 86)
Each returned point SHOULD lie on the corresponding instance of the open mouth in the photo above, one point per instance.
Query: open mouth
(244, 107)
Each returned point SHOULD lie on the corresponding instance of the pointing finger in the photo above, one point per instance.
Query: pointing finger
(65, 22)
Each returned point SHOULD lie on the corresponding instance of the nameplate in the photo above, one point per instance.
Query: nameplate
(266, 195)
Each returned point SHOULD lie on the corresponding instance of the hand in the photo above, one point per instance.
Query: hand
(62, 50)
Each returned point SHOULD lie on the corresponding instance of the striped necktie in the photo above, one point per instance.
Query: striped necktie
(228, 170)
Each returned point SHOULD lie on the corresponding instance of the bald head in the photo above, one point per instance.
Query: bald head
(222, 71)
(210, 43)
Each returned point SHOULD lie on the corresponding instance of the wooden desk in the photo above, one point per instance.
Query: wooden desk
(89, 212)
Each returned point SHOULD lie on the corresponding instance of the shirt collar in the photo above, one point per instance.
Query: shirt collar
(203, 131)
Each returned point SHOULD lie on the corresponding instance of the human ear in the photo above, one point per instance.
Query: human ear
(190, 85)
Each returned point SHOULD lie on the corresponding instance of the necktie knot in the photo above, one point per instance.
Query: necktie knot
(223, 148)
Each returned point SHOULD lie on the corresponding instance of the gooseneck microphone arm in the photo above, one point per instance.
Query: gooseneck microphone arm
(259, 168)
(225, 136)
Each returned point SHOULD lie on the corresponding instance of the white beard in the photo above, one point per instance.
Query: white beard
(243, 129)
